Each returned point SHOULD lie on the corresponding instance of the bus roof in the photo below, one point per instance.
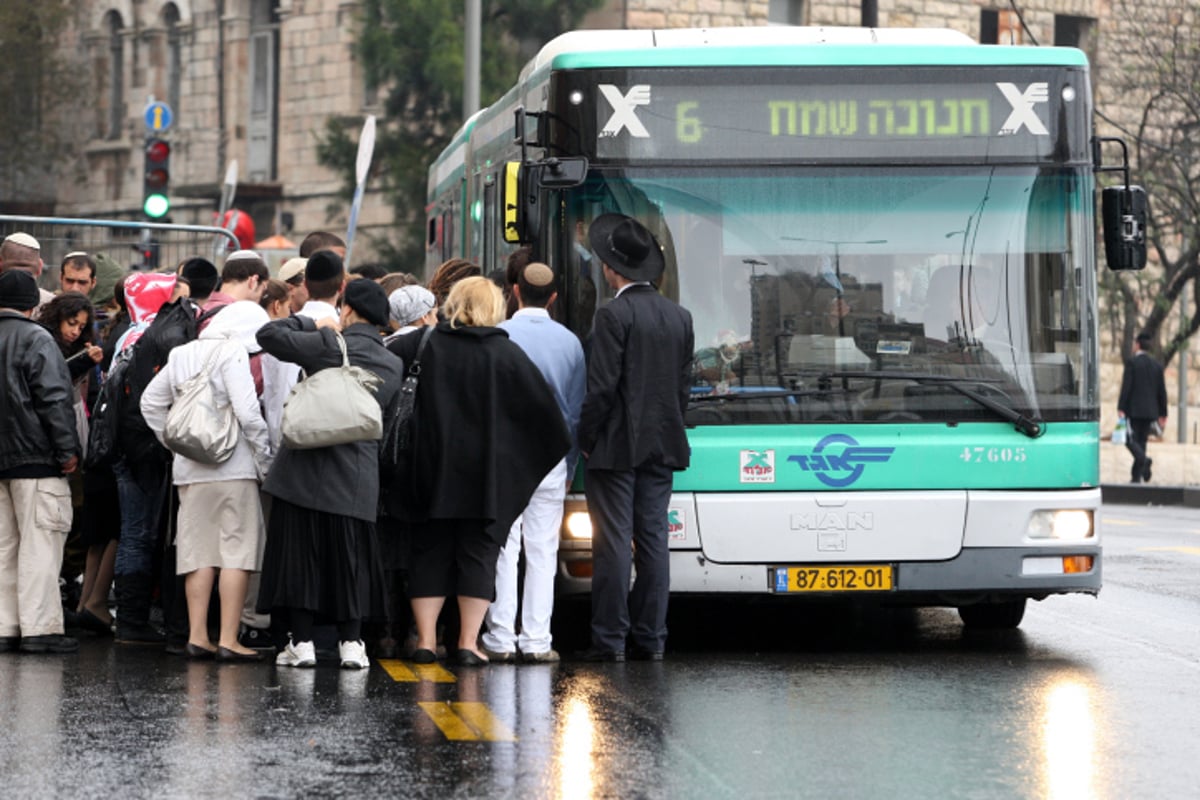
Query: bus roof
(451, 162)
(785, 46)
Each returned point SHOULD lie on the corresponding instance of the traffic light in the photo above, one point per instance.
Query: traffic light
(156, 177)
(148, 254)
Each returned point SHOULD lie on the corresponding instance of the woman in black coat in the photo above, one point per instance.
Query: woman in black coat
(487, 430)
(322, 555)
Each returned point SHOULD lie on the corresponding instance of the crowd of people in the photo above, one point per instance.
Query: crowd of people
(158, 452)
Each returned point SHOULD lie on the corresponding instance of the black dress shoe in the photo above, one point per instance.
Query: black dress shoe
(49, 643)
(227, 656)
(195, 652)
(598, 654)
(644, 654)
(469, 658)
(423, 656)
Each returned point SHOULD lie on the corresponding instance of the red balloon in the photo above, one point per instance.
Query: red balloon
(243, 228)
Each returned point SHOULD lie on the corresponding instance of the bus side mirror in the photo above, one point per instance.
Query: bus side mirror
(562, 173)
(1124, 213)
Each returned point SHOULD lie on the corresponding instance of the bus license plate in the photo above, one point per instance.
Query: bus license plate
(835, 578)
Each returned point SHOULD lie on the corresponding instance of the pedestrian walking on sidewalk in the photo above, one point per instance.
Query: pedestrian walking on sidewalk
(1143, 403)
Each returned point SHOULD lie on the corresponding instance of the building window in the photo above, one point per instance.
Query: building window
(1000, 27)
(870, 13)
(1075, 32)
(785, 12)
(174, 56)
(116, 75)
(264, 90)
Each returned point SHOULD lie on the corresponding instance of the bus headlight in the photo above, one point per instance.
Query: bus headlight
(1065, 524)
(578, 525)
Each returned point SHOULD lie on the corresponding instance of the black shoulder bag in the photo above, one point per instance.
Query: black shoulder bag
(397, 428)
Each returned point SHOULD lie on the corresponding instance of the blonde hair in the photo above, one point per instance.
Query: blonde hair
(474, 302)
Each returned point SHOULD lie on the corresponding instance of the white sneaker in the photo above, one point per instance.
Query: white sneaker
(297, 654)
(353, 655)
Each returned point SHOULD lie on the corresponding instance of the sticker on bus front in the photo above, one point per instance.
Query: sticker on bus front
(757, 466)
(676, 525)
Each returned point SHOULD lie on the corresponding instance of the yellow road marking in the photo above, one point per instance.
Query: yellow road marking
(1128, 523)
(405, 672)
(467, 722)
(480, 717)
(1191, 551)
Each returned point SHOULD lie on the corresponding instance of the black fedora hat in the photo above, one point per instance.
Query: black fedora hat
(627, 247)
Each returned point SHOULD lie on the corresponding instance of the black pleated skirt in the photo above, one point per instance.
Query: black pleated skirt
(328, 564)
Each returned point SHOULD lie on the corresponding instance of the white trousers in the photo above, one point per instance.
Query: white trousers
(537, 529)
(35, 515)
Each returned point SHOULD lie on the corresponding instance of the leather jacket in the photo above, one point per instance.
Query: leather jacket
(37, 416)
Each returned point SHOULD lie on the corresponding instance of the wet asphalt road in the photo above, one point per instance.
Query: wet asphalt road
(1090, 698)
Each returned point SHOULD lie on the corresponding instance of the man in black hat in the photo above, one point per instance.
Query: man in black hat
(38, 446)
(631, 431)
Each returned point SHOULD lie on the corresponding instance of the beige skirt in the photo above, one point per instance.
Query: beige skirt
(220, 525)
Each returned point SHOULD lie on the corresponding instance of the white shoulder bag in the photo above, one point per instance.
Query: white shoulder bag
(197, 427)
(333, 406)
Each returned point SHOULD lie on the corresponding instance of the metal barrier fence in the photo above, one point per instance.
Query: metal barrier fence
(144, 246)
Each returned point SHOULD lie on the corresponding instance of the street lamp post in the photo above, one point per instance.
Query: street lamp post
(473, 42)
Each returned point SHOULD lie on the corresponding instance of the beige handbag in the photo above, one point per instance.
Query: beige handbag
(334, 406)
(197, 427)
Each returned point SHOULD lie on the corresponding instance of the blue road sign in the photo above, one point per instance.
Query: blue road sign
(158, 116)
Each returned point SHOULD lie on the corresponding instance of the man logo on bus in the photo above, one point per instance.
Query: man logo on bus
(839, 470)
(623, 106)
(758, 466)
(1022, 103)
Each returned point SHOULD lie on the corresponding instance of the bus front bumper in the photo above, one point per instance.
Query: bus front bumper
(976, 574)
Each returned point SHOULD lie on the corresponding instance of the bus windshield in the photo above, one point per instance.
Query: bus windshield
(864, 294)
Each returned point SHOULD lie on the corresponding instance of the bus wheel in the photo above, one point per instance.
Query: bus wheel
(999, 614)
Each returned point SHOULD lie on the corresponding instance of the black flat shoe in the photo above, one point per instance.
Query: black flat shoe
(469, 658)
(422, 656)
(89, 621)
(195, 652)
(227, 656)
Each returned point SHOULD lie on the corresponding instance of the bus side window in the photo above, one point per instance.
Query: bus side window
(490, 227)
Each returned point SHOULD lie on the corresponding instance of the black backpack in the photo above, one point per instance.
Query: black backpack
(104, 425)
(177, 323)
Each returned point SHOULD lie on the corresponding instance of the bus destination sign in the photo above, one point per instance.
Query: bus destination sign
(656, 121)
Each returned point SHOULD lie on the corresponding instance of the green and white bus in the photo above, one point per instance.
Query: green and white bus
(886, 239)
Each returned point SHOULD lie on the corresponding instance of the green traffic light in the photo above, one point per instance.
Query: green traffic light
(156, 205)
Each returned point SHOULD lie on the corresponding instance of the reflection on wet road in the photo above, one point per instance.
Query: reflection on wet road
(1091, 698)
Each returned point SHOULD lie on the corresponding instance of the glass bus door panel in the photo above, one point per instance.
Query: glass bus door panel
(814, 527)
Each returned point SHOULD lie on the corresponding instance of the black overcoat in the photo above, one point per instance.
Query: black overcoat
(1143, 388)
(488, 428)
(639, 379)
(342, 479)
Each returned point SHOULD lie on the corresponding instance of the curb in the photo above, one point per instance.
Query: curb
(1140, 494)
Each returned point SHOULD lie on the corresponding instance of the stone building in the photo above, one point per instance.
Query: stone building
(256, 80)
(246, 80)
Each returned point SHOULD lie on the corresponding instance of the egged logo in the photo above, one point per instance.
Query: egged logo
(840, 469)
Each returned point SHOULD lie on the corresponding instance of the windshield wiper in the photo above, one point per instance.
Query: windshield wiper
(712, 397)
(1033, 428)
